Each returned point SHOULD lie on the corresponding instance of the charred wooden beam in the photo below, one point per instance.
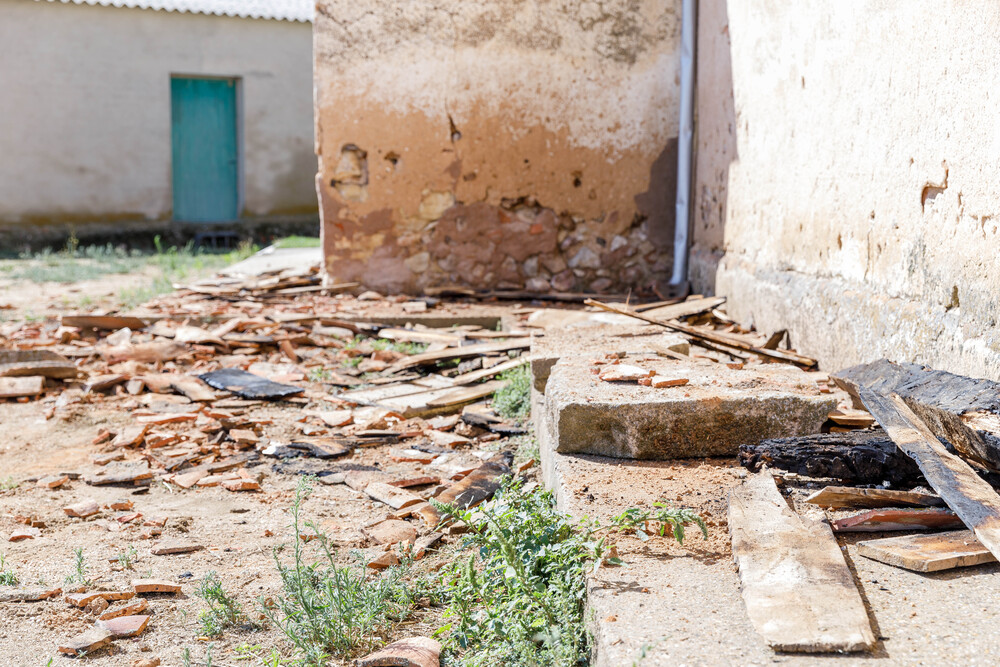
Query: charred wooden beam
(857, 457)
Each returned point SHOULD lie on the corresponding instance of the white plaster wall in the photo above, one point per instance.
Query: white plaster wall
(85, 109)
(859, 197)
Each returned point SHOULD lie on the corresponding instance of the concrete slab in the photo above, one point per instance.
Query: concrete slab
(719, 409)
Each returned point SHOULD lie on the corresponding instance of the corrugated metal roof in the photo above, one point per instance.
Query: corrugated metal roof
(281, 10)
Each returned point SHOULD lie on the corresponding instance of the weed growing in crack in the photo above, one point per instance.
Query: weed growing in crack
(7, 576)
(329, 609)
(224, 611)
(79, 575)
(513, 400)
(518, 597)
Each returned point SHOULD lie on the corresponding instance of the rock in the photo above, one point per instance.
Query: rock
(243, 436)
(392, 496)
(121, 505)
(661, 381)
(51, 481)
(410, 652)
(87, 642)
(146, 662)
(240, 485)
(125, 626)
(412, 456)
(391, 531)
(155, 586)
(137, 606)
(83, 509)
(97, 606)
(623, 373)
(26, 533)
(28, 594)
(171, 548)
(445, 439)
(384, 560)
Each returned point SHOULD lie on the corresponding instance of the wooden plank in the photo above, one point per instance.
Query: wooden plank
(798, 591)
(964, 411)
(480, 349)
(856, 457)
(16, 387)
(886, 519)
(459, 397)
(968, 495)
(928, 553)
(711, 336)
(683, 309)
(846, 497)
(104, 322)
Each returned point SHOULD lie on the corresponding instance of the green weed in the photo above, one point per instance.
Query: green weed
(80, 574)
(318, 374)
(7, 576)
(513, 400)
(224, 611)
(127, 557)
(8, 484)
(329, 609)
(298, 242)
(518, 597)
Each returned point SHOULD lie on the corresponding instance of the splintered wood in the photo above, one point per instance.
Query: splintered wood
(798, 590)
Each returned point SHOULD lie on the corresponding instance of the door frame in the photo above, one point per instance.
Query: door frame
(240, 193)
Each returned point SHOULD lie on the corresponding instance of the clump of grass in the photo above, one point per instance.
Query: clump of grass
(223, 612)
(8, 484)
(318, 374)
(80, 574)
(126, 558)
(513, 400)
(329, 609)
(518, 597)
(7, 576)
(298, 242)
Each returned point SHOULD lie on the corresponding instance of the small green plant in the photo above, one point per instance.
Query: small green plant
(518, 597)
(329, 609)
(318, 374)
(513, 400)
(223, 610)
(79, 575)
(7, 576)
(8, 484)
(126, 558)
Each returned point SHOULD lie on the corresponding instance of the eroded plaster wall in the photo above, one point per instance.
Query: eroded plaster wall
(846, 180)
(85, 110)
(497, 143)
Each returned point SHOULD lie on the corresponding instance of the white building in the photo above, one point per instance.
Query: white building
(120, 115)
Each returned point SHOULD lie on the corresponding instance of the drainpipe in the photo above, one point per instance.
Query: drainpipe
(685, 134)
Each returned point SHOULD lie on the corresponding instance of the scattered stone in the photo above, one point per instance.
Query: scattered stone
(125, 626)
(129, 517)
(243, 436)
(28, 594)
(106, 458)
(97, 606)
(240, 485)
(26, 533)
(155, 586)
(660, 382)
(158, 521)
(171, 548)
(384, 560)
(446, 439)
(88, 642)
(410, 652)
(392, 496)
(189, 479)
(51, 481)
(360, 479)
(414, 481)
(337, 418)
(130, 436)
(137, 606)
(623, 373)
(81, 599)
(391, 531)
(121, 505)
(146, 662)
(527, 465)
(412, 456)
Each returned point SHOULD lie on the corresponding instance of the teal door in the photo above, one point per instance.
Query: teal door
(204, 146)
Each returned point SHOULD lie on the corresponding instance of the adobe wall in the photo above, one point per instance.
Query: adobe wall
(846, 183)
(497, 143)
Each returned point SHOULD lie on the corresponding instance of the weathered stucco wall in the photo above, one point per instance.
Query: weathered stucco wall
(497, 143)
(851, 189)
(85, 110)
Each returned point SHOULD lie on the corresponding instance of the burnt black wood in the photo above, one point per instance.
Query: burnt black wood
(857, 458)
